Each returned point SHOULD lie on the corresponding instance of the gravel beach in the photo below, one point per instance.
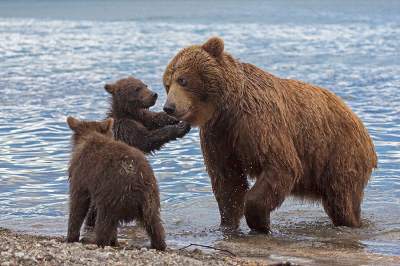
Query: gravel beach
(23, 249)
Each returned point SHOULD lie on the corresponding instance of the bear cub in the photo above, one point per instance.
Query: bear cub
(116, 178)
(134, 124)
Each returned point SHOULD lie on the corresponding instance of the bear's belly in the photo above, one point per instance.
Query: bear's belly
(305, 189)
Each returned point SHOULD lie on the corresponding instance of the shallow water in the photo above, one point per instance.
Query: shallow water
(51, 68)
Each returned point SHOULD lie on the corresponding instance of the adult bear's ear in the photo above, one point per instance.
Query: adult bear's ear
(109, 88)
(214, 46)
(73, 123)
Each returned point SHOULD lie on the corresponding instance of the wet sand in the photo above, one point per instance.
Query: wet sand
(303, 253)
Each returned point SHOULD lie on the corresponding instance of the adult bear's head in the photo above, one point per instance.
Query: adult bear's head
(195, 81)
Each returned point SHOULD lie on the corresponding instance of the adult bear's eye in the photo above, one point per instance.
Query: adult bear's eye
(182, 82)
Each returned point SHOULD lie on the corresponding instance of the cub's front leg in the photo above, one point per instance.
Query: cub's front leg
(154, 120)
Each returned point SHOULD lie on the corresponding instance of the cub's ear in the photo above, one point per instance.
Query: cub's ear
(107, 124)
(214, 46)
(110, 88)
(73, 123)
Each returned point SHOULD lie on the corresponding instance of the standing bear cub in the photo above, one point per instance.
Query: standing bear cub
(293, 138)
(134, 123)
(116, 179)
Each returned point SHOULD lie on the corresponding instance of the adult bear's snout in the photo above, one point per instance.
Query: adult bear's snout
(169, 108)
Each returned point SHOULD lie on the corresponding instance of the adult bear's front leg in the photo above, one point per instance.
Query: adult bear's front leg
(228, 180)
(229, 188)
(267, 194)
(229, 185)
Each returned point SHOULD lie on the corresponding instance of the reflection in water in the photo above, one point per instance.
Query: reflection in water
(50, 69)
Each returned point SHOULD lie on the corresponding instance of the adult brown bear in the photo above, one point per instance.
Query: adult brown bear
(293, 138)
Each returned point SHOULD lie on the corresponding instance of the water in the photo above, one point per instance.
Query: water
(54, 62)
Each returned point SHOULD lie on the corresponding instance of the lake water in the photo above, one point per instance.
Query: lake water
(55, 60)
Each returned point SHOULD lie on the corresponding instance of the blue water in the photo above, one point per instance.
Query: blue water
(52, 66)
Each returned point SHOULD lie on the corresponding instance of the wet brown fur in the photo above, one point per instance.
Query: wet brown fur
(293, 138)
(116, 178)
(134, 123)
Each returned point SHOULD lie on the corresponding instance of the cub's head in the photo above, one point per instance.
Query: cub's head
(193, 81)
(131, 93)
(82, 128)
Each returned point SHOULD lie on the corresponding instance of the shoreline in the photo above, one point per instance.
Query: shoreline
(19, 248)
(26, 249)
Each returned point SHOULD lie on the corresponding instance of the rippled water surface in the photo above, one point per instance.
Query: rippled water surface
(52, 68)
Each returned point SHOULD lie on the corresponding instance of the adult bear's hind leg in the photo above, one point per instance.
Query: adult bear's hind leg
(343, 205)
(343, 193)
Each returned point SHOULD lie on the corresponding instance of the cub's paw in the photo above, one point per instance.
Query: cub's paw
(183, 128)
(170, 120)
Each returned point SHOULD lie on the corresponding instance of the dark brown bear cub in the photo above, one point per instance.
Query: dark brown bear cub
(116, 178)
(134, 123)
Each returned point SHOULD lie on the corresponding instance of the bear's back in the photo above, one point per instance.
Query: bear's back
(100, 160)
